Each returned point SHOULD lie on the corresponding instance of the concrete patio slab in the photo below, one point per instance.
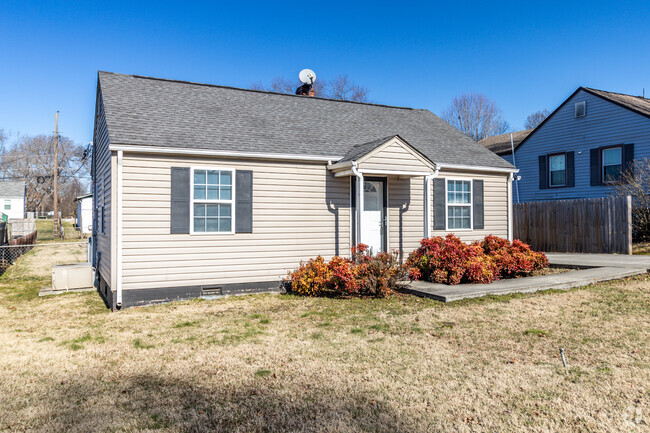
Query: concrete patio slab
(566, 280)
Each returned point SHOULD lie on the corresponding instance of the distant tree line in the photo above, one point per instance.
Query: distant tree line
(341, 88)
(31, 159)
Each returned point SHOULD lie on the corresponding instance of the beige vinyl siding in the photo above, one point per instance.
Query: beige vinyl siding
(103, 179)
(297, 209)
(495, 206)
(406, 210)
(394, 157)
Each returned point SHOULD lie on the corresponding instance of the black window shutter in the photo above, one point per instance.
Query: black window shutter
(439, 200)
(570, 169)
(543, 172)
(180, 200)
(478, 208)
(628, 158)
(594, 166)
(244, 201)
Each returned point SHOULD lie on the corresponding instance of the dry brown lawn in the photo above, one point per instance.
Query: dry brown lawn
(282, 363)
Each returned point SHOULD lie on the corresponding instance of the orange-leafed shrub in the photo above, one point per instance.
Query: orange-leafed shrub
(449, 260)
(363, 275)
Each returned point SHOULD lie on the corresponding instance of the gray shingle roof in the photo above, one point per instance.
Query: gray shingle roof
(500, 144)
(156, 112)
(12, 189)
(359, 150)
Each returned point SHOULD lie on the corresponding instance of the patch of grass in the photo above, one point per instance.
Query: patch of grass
(263, 372)
(45, 339)
(317, 336)
(138, 344)
(77, 343)
(357, 331)
(186, 324)
(536, 332)
(382, 327)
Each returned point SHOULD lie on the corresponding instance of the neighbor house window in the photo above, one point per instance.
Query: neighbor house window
(212, 201)
(7, 204)
(557, 170)
(459, 204)
(612, 164)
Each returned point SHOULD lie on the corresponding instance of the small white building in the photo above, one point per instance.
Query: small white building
(12, 199)
(85, 213)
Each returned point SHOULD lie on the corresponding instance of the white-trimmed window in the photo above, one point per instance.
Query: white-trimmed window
(459, 204)
(612, 169)
(212, 201)
(557, 170)
(7, 204)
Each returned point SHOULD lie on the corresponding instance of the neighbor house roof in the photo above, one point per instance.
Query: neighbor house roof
(638, 104)
(12, 189)
(149, 111)
(81, 197)
(500, 144)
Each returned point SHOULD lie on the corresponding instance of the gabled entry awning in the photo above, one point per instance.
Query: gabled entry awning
(370, 164)
(385, 156)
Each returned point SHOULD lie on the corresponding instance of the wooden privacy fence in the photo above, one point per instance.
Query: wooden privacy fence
(598, 225)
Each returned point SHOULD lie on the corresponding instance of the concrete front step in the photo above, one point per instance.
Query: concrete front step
(566, 280)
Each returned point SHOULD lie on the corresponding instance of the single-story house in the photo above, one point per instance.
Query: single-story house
(582, 149)
(206, 190)
(12, 199)
(85, 213)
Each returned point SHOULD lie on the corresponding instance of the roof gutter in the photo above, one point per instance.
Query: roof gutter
(476, 168)
(223, 153)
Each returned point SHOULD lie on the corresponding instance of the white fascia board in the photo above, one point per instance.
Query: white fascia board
(340, 165)
(395, 172)
(228, 154)
(477, 168)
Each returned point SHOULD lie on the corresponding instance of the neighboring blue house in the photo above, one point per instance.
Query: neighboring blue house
(582, 148)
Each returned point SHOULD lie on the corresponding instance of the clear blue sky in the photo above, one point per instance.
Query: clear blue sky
(525, 57)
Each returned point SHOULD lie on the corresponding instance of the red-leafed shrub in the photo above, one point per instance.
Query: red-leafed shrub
(364, 275)
(451, 261)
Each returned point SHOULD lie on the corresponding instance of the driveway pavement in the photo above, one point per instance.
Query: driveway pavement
(592, 268)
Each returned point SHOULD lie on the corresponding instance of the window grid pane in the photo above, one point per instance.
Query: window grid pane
(557, 170)
(459, 198)
(212, 185)
(212, 217)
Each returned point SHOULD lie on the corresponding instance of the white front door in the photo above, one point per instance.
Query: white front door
(372, 221)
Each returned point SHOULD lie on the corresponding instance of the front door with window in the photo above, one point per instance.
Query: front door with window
(373, 221)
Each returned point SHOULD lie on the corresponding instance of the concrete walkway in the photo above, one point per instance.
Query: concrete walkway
(599, 260)
(593, 268)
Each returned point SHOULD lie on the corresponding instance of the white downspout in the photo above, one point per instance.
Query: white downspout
(359, 188)
(118, 246)
(510, 179)
(427, 201)
(514, 163)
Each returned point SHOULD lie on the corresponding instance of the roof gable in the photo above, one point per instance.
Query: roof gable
(145, 111)
(636, 104)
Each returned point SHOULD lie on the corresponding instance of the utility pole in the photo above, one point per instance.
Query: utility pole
(56, 174)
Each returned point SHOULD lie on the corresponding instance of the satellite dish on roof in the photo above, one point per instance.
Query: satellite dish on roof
(307, 76)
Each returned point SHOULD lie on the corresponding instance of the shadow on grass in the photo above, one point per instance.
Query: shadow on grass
(262, 404)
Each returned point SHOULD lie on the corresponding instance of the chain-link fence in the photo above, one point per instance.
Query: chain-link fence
(46, 255)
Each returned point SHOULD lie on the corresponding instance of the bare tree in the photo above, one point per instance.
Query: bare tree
(282, 85)
(30, 159)
(533, 120)
(343, 89)
(476, 116)
(635, 182)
